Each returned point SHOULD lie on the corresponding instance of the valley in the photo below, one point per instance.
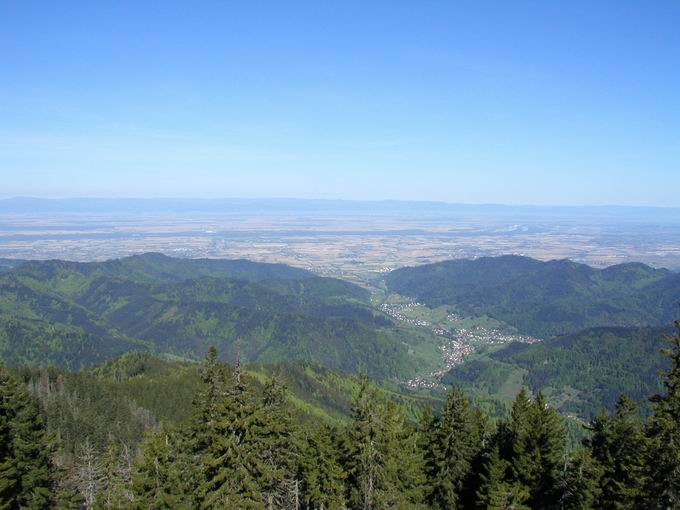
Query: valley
(421, 328)
(460, 337)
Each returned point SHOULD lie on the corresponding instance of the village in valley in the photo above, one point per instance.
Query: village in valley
(461, 336)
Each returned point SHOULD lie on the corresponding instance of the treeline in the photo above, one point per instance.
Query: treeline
(242, 450)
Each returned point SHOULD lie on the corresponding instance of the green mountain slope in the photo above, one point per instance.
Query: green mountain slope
(266, 312)
(133, 393)
(582, 373)
(545, 299)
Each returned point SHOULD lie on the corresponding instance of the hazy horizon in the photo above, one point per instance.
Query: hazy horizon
(237, 199)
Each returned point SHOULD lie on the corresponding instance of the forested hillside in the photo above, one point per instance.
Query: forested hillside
(128, 395)
(582, 374)
(545, 299)
(77, 314)
(242, 445)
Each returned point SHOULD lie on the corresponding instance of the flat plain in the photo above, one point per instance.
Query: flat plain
(358, 246)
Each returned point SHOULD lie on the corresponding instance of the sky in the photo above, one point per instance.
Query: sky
(515, 102)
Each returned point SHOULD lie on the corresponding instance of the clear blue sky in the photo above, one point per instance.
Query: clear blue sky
(540, 102)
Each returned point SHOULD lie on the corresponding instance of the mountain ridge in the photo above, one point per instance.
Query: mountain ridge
(544, 299)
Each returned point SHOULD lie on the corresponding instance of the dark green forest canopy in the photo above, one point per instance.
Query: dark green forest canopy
(129, 394)
(242, 445)
(545, 299)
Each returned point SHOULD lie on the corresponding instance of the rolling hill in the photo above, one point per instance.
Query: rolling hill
(77, 314)
(545, 299)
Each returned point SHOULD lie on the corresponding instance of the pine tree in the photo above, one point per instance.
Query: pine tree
(537, 449)
(322, 475)
(404, 462)
(580, 482)
(663, 464)
(163, 479)
(115, 488)
(9, 473)
(549, 442)
(231, 460)
(456, 443)
(495, 491)
(618, 447)
(25, 453)
(274, 440)
(365, 461)
(213, 390)
(66, 494)
(67, 497)
(427, 444)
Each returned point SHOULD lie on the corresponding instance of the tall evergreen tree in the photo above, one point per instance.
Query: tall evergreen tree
(497, 491)
(9, 472)
(115, 491)
(404, 463)
(427, 444)
(663, 464)
(25, 452)
(230, 459)
(276, 446)
(618, 446)
(213, 391)
(66, 495)
(580, 482)
(365, 460)
(537, 449)
(163, 479)
(456, 442)
(322, 474)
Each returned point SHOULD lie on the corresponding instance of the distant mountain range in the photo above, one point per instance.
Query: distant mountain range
(545, 299)
(30, 205)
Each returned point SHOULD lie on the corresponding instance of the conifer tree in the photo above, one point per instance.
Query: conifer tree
(115, 484)
(618, 446)
(456, 443)
(213, 390)
(549, 443)
(472, 483)
(663, 464)
(427, 444)
(25, 452)
(276, 447)
(404, 462)
(538, 442)
(496, 491)
(66, 494)
(163, 479)
(231, 459)
(9, 473)
(365, 460)
(322, 475)
(580, 483)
